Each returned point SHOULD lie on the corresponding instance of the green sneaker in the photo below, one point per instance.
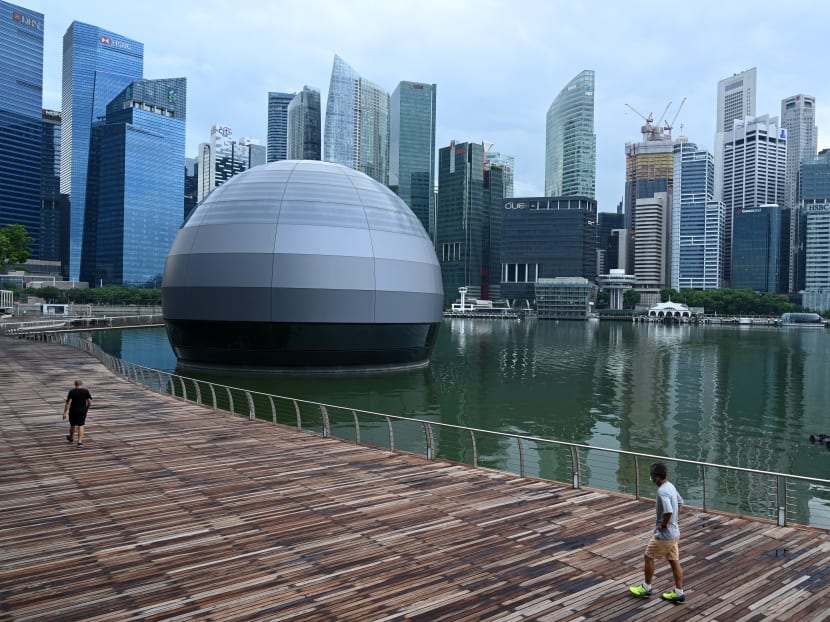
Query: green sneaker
(639, 591)
(674, 597)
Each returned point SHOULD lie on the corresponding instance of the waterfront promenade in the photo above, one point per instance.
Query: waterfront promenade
(172, 511)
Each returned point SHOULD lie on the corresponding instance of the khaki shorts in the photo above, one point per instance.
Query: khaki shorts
(663, 549)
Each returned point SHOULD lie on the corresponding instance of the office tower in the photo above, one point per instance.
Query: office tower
(546, 237)
(649, 167)
(468, 237)
(814, 178)
(570, 141)
(754, 167)
(816, 295)
(651, 246)
(507, 164)
(223, 157)
(139, 150)
(736, 99)
(412, 148)
(277, 138)
(97, 66)
(697, 220)
(21, 101)
(760, 253)
(304, 124)
(54, 219)
(607, 244)
(357, 123)
(191, 186)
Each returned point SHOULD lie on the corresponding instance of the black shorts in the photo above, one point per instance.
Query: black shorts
(77, 417)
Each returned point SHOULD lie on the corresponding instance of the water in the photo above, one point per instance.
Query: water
(747, 397)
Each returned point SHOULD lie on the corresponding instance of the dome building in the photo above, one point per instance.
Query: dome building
(302, 265)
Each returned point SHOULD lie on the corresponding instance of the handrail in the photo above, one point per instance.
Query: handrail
(783, 498)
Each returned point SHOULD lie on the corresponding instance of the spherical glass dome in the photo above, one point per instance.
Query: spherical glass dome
(302, 264)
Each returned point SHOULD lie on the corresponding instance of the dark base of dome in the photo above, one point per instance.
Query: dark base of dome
(300, 348)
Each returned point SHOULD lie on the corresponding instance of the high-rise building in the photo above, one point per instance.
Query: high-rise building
(223, 157)
(817, 279)
(736, 99)
(697, 220)
(651, 246)
(191, 185)
(304, 122)
(54, 219)
(507, 164)
(570, 141)
(649, 167)
(814, 178)
(97, 65)
(760, 253)
(753, 173)
(468, 235)
(139, 151)
(798, 119)
(412, 148)
(277, 137)
(357, 123)
(607, 241)
(546, 237)
(21, 101)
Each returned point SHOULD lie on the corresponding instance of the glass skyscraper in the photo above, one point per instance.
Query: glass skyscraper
(570, 143)
(412, 148)
(138, 182)
(21, 101)
(357, 123)
(697, 220)
(304, 121)
(277, 139)
(760, 249)
(224, 157)
(97, 66)
(54, 219)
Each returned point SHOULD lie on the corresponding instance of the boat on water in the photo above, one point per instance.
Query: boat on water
(803, 320)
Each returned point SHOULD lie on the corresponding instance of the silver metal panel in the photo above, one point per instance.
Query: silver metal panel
(244, 270)
(405, 276)
(235, 238)
(324, 272)
(406, 247)
(240, 304)
(406, 307)
(323, 306)
(323, 240)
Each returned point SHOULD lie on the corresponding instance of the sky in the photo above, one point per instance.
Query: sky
(498, 65)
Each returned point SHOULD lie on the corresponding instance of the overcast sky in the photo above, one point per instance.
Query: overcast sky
(498, 65)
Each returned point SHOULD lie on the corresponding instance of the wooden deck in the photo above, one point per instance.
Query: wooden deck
(175, 512)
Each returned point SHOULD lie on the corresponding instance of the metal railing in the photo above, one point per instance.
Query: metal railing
(754, 493)
(36, 328)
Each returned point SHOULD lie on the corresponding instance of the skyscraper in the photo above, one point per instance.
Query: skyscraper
(139, 184)
(21, 101)
(651, 246)
(760, 253)
(304, 123)
(412, 148)
(817, 289)
(97, 66)
(754, 169)
(223, 157)
(697, 220)
(571, 144)
(54, 219)
(507, 164)
(357, 123)
(277, 139)
(469, 221)
(736, 99)
(798, 119)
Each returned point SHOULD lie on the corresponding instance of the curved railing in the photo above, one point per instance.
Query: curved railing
(712, 487)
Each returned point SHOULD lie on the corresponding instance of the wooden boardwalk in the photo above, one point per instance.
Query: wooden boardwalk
(175, 512)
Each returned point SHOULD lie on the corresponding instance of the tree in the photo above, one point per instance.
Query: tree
(15, 245)
(630, 298)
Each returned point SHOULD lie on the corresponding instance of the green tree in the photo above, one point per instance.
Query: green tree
(15, 245)
(630, 298)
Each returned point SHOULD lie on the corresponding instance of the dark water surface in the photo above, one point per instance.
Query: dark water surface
(747, 397)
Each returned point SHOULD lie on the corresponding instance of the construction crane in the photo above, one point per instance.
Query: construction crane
(668, 126)
(649, 130)
(648, 119)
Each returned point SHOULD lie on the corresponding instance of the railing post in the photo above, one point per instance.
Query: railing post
(356, 427)
(184, 388)
(429, 441)
(575, 466)
(636, 477)
(475, 449)
(171, 384)
(391, 434)
(326, 425)
(198, 392)
(299, 418)
(251, 409)
(782, 504)
(521, 457)
(230, 399)
(703, 481)
(212, 395)
(273, 409)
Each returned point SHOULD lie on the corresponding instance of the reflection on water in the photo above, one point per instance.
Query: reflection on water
(747, 398)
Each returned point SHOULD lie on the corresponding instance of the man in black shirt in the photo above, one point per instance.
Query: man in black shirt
(77, 404)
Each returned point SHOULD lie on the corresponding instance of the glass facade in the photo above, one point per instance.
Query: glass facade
(563, 298)
(412, 148)
(815, 178)
(277, 138)
(304, 122)
(570, 141)
(697, 221)
(139, 185)
(760, 249)
(507, 164)
(21, 101)
(224, 157)
(607, 243)
(97, 65)
(357, 123)
(545, 238)
(54, 217)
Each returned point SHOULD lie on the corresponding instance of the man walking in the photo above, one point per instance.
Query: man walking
(77, 404)
(664, 541)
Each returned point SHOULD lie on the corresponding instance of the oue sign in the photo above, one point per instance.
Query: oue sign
(512, 205)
